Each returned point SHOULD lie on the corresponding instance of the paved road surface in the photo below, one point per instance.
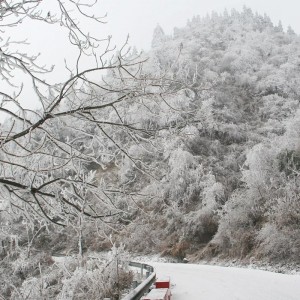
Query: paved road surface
(197, 282)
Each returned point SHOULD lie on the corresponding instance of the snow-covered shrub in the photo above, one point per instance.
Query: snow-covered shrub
(240, 217)
(201, 226)
(289, 162)
(279, 244)
(69, 278)
(141, 238)
(25, 266)
(98, 279)
(260, 166)
(280, 237)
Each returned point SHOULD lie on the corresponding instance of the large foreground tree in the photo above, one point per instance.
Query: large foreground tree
(51, 157)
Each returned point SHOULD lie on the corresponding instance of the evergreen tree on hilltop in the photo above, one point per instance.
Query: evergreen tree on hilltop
(159, 37)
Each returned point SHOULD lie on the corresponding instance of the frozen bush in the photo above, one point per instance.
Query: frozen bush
(279, 244)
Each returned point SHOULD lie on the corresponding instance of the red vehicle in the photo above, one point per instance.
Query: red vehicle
(161, 292)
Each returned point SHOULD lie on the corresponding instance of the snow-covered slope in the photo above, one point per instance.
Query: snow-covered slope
(196, 282)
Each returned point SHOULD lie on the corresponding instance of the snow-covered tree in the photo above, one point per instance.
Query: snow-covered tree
(50, 157)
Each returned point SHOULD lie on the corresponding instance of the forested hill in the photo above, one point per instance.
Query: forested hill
(229, 169)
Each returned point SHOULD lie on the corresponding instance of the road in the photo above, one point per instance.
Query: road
(197, 282)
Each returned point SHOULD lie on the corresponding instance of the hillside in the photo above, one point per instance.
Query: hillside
(229, 165)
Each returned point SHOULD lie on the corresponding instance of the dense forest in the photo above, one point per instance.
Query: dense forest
(229, 163)
(214, 173)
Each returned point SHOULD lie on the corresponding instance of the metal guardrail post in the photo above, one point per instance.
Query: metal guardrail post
(134, 284)
(141, 289)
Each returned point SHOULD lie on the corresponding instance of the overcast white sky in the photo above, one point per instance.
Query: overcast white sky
(138, 18)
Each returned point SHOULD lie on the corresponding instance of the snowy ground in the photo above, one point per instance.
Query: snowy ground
(197, 282)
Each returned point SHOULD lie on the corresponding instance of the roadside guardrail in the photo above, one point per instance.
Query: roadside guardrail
(142, 288)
